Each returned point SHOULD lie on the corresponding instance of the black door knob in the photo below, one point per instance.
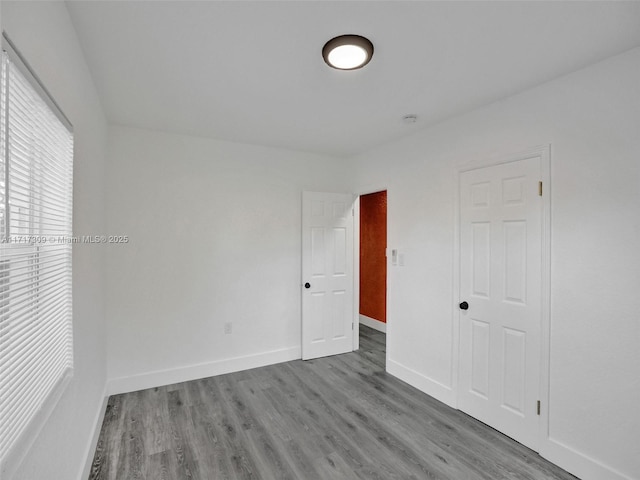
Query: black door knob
(464, 306)
(307, 285)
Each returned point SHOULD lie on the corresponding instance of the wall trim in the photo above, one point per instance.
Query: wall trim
(578, 463)
(193, 372)
(95, 435)
(427, 385)
(373, 323)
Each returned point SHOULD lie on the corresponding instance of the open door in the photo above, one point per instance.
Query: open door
(327, 274)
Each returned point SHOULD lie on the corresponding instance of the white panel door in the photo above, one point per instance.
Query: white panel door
(501, 283)
(327, 274)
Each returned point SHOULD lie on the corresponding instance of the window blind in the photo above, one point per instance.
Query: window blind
(36, 171)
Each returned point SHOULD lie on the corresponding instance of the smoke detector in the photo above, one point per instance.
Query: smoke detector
(409, 119)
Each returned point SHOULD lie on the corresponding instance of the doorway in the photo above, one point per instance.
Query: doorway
(331, 270)
(372, 223)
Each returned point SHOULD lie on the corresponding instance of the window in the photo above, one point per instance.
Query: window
(36, 168)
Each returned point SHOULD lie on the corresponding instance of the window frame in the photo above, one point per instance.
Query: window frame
(12, 454)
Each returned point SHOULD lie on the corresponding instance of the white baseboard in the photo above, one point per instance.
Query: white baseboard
(95, 435)
(579, 464)
(423, 383)
(553, 450)
(566, 457)
(193, 372)
(373, 323)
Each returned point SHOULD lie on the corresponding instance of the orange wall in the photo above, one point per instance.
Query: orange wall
(373, 262)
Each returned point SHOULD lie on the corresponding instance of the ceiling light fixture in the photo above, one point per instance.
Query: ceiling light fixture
(347, 52)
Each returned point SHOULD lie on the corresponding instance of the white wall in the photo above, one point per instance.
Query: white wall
(42, 31)
(214, 233)
(215, 237)
(592, 120)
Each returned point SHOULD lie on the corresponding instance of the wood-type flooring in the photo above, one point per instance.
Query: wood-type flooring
(340, 417)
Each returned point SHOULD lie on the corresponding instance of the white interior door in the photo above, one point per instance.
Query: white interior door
(327, 274)
(501, 282)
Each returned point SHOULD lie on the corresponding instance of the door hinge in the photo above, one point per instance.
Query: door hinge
(538, 407)
(540, 189)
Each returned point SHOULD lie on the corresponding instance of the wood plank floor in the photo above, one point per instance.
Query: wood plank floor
(339, 417)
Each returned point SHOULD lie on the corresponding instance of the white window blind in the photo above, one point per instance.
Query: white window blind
(36, 168)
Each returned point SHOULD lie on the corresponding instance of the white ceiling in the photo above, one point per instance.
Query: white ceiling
(252, 72)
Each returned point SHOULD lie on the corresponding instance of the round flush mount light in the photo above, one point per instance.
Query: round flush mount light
(347, 52)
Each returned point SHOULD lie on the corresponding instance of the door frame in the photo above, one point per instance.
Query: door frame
(356, 266)
(544, 153)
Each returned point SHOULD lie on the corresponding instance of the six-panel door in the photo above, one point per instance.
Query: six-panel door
(327, 274)
(500, 278)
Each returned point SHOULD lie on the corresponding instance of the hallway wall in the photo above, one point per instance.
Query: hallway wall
(373, 257)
